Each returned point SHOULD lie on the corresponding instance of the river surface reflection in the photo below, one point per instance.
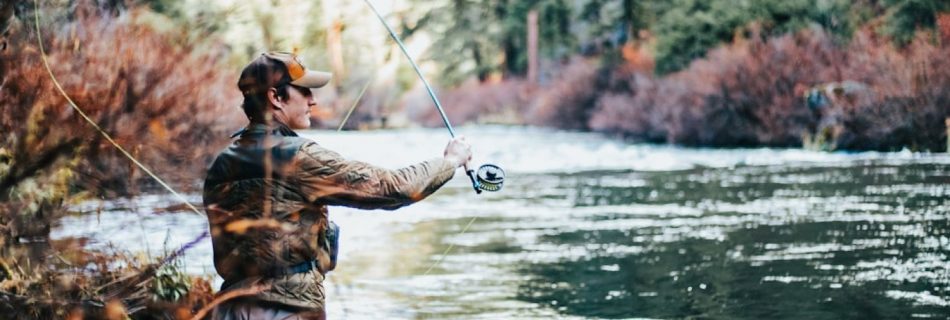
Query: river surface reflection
(590, 227)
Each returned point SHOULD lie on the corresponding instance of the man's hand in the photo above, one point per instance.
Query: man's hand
(458, 152)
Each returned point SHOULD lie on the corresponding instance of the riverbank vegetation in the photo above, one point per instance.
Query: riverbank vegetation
(721, 74)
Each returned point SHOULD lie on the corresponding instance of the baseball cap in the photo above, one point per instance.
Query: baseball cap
(273, 69)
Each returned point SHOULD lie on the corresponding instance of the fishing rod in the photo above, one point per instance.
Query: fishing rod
(489, 177)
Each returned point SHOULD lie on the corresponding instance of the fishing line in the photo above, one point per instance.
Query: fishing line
(39, 41)
(355, 103)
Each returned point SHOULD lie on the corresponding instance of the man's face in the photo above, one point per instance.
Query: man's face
(295, 110)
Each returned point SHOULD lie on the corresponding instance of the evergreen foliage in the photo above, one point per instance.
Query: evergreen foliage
(480, 37)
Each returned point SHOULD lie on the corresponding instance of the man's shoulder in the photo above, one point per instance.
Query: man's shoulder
(310, 150)
(296, 143)
(254, 149)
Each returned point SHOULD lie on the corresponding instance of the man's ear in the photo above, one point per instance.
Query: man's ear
(273, 98)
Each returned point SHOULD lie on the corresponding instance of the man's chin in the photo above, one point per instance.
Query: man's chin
(303, 124)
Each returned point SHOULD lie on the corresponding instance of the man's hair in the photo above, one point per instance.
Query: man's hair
(255, 105)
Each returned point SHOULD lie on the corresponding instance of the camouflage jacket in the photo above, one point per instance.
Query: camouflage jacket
(266, 198)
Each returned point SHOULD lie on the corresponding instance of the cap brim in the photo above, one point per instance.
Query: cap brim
(313, 79)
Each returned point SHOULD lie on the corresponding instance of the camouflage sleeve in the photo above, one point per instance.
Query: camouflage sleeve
(328, 178)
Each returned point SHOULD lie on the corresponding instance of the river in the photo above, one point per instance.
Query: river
(592, 227)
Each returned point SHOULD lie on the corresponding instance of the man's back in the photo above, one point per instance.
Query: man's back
(266, 197)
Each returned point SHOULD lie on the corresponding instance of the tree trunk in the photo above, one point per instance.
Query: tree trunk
(335, 45)
(533, 47)
(480, 70)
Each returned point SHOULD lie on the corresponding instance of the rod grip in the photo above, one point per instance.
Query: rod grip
(471, 176)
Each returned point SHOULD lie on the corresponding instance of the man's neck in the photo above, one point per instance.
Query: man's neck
(273, 127)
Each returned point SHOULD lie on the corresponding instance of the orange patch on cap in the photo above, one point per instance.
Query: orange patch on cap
(295, 69)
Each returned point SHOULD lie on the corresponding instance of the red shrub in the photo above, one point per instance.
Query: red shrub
(744, 94)
(493, 102)
(634, 114)
(749, 93)
(168, 105)
(911, 100)
(570, 100)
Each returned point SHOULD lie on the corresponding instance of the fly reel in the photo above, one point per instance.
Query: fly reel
(489, 177)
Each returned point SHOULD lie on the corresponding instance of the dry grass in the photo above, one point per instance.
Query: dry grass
(65, 281)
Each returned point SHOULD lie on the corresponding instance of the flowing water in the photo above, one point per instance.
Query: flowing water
(591, 227)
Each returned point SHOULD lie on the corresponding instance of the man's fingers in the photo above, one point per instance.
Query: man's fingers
(460, 150)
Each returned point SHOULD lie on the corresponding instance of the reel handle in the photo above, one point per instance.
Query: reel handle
(471, 176)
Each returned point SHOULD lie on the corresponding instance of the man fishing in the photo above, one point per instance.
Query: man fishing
(266, 196)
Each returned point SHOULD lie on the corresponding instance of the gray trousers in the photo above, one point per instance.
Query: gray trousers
(249, 309)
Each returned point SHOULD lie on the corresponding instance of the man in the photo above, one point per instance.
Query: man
(267, 194)
(830, 103)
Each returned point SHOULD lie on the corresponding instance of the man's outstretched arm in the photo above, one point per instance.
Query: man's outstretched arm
(326, 177)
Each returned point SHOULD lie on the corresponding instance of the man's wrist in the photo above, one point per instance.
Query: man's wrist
(455, 161)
